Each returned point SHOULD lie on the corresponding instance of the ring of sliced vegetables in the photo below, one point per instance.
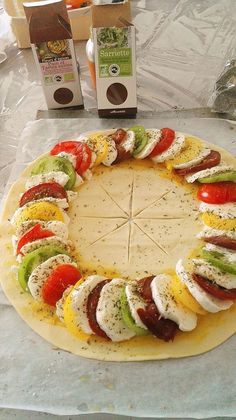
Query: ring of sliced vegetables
(188, 288)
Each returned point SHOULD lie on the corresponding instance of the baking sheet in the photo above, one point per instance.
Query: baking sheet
(36, 376)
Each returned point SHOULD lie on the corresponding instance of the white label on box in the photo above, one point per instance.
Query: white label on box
(56, 63)
(115, 68)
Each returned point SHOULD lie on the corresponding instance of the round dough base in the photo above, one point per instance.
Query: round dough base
(212, 330)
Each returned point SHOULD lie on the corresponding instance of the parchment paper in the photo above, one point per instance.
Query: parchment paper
(35, 376)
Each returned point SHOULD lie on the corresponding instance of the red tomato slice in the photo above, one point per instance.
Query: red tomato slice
(92, 304)
(86, 155)
(33, 234)
(217, 193)
(165, 329)
(62, 277)
(208, 162)
(167, 138)
(223, 241)
(119, 135)
(81, 150)
(213, 289)
(47, 189)
(144, 288)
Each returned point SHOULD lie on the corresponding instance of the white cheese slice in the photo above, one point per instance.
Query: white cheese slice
(87, 175)
(135, 302)
(111, 153)
(208, 172)
(68, 156)
(60, 202)
(225, 211)
(55, 176)
(229, 254)
(208, 233)
(168, 307)
(129, 143)
(173, 150)
(205, 269)
(52, 240)
(109, 315)
(79, 298)
(154, 137)
(208, 302)
(41, 273)
(59, 228)
(204, 153)
(79, 180)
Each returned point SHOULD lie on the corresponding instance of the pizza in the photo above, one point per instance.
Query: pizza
(120, 245)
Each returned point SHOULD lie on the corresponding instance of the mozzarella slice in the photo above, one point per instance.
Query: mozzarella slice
(208, 233)
(60, 202)
(87, 175)
(135, 302)
(208, 172)
(79, 180)
(68, 156)
(59, 228)
(154, 137)
(79, 297)
(168, 307)
(129, 143)
(208, 302)
(205, 269)
(52, 240)
(205, 152)
(225, 211)
(111, 153)
(229, 254)
(41, 273)
(173, 150)
(109, 315)
(60, 304)
(21, 209)
(54, 176)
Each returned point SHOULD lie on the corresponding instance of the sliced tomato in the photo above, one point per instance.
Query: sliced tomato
(211, 160)
(92, 304)
(165, 329)
(144, 288)
(213, 289)
(119, 135)
(47, 189)
(80, 150)
(223, 241)
(167, 138)
(62, 277)
(33, 234)
(217, 193)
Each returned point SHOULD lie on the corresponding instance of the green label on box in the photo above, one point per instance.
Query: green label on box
(114, 52)
(115, 62)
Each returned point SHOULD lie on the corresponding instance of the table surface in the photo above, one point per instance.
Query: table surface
(182, 46)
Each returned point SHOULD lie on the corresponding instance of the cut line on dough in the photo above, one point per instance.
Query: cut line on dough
(145, 233)
(152, 204)
(108, 233)
(114, 201)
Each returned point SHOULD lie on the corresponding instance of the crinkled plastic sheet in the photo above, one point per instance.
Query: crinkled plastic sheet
(36, 376)
(182, 45)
